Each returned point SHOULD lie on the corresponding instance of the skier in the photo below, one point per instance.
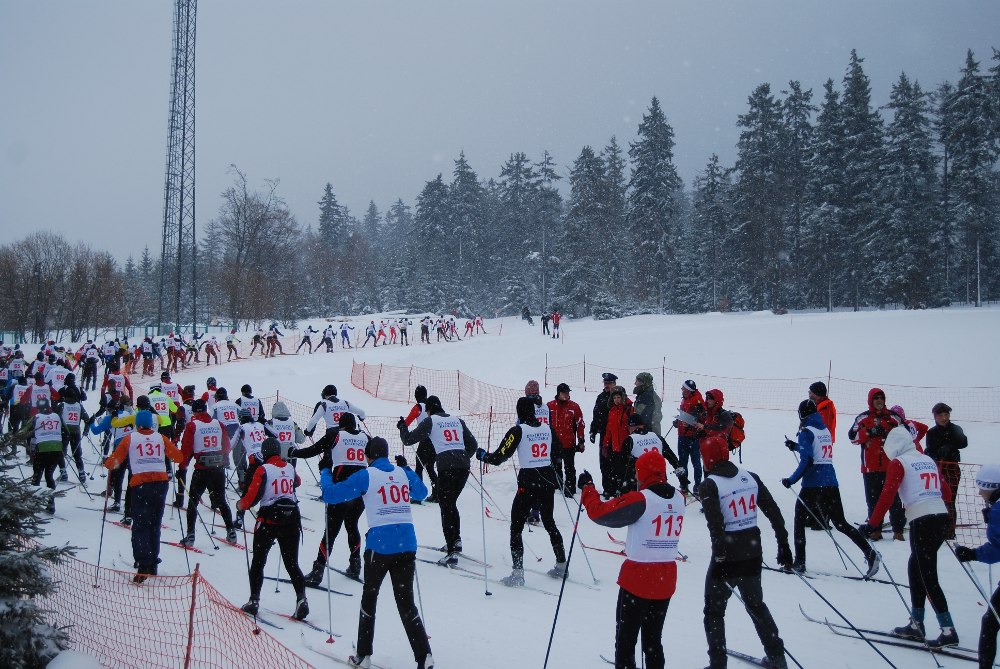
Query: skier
(90, 357)
(556, 319)
(526, 315)
(537, 448)
(688, 435)
(345, 337)
(45, 447)
(404, 326)
(284, 429)
(869, 431)
(545, 323)
(820, 495)
(330, 408)
(212, 350)
(205, 441)
(390, 545)
(731, 497)
(479, 325)
(246, 451)
(257, 340)
(468, 328)
(227, 411)
(533, 392)
(988, 483)
(393, 335)
(425, 329)
(163, 409)
(425, 449)
(566, 419)
(246, 400)
(274, 341)
(38, 390)
(944, 441)
(146, 451)
(307, 338)
(72, 413)
(371, 334)
(654, 515)
(273, 486)
(344, 453)
(231, 342)
(454, 445)
(922, 490)
(117, 381)
(327, 339)
(639, 442)
(599, 425)
(169, 388)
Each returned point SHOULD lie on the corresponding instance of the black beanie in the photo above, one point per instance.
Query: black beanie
(377, 448)
(818, 388)
(806, 408)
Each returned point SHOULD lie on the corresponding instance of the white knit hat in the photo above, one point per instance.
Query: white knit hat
(988, 477)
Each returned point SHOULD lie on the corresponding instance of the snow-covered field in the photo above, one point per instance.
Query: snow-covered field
(954, 347)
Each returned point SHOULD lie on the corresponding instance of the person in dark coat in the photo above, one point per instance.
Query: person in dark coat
(944, 441)
(647, 403)
(599, 424)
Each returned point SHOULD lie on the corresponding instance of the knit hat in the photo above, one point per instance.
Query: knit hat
(644, 379)
(898, 410)
(650, 468)
(988, 477)
(689, 385)
(940, 407)
(525, 409)
(144, 420)
(806, 408)
(199, 406)
(818, 388)
(713, 450)
(280, 411)
(377, 448)
(531, 388)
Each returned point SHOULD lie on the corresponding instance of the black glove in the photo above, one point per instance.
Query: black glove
(593, 437)
(325, 462)
(401, 423)
(480, 454)
(401, 460)
(876, 432)
(866, 530)
(965, 554)
(677, 424)
(584, 479)
(784, 556)
(290, 454)
(309, 432)
(791, 445)
(786, 482)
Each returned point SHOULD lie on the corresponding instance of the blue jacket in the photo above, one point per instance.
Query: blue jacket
(812, 475)
(387, 539)
(990, 551)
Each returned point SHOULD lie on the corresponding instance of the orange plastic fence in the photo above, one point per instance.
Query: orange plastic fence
(168, 621)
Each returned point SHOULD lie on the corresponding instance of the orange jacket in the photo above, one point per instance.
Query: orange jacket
(828, 412)
(121, 454)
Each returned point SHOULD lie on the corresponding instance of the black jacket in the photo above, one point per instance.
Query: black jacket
(649, 405)
(599, 422)
(943, 443)
(537, 477)
(449, 459)
(737, 553)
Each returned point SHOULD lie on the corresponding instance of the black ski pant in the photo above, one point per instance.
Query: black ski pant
(607, 474)
(18, 414)
(988, 633)
(45, 463)
(690, 448)
(824, 502)
(344, 515)
(305, 340)
(635, 614)
(287, 536)
(874, 482)
(450, 483)
(214, 481)
(401, 568)
(149, 500)
(404, 339)
(89, 375)
(566, 470)
(542, 498)
(717, 593)
(952, 473)
(370, 338)
(927, 533)
(425, 460)
(116, 480)
(71, 445)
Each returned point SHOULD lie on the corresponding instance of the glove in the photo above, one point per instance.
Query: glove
(401, 460)
(791, 445)
(584, 480)
(786, 482)
(480, 454)
(875, 432)
(580, 445)
(401, 423)
(676, 423)
(593, 437)
(866, 530)
(309, 432)
(784, 556)
(965, 554)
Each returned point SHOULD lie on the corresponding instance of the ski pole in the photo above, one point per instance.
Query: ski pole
(752, 615)
(907, 606)
(100, 545)
(277, 573)
(975, 581)
(247, 553)
(180, 522)
(420, 598)
(482, 510)
(570, 514)
(844, 618)
(204, 526)
(83, 485)
(562, 587)
(840, 551)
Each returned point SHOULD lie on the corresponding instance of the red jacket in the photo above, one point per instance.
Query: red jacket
(566, 420)
(617, 427)
(187, 439)
(873, 458)
(256, 488)
(694, 404)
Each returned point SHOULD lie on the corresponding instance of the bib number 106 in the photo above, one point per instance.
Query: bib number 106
(394, 494)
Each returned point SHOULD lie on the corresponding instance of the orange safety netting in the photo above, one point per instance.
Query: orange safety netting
(168, 621)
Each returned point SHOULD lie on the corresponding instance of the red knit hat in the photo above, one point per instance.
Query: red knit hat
(713, 449)
(650, 468)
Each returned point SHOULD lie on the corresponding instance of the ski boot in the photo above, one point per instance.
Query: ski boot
(515, 580)
(127, 522)
(912, 631)
(116, 507)
(449, 560)
(251, 606)
(558, 571)
(427, 662)
(63, 476)
(188, 541)
(874, 562)
(315, 577)
(231, 535)
(301, 608)
(362, 661)
(948, 638)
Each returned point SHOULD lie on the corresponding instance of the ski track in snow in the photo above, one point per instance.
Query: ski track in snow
(951, 347)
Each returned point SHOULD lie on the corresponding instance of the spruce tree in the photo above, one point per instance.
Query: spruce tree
(615, 253)
(434, 252)
(332, 218)
(582, 259)
(27, 640)
(797, 132)
(548, 215)
(465, 205)
(712, 277)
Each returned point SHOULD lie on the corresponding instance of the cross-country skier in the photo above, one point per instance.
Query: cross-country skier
(227, 411)
(640, 441)
(390, 545)
(231, 342)
(425, 449)
(454, 445)
(404, 327)
(246, 400)
(206, 442)
(345, 336)
(146, 452)
(285, 430)
(731, 498)
(537, 448)
(307, 338)
(654, 516)
(44, 430)
(425, 329)
(72, 413)
(273, 486)
(922, 491)
(329, 409)
(820, 495)
(479, 325)
(327, 339)
(371, 333)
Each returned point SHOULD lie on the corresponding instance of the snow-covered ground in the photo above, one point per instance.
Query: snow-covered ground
(954, 347)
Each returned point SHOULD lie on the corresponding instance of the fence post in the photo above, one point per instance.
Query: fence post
(489, 436)
(547, 373)
(378, 381)
(459, 375)
(829, 376)
(663, 376)
(585, 373)
(194, 595)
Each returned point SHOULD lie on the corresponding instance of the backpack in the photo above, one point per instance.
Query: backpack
(737, 433)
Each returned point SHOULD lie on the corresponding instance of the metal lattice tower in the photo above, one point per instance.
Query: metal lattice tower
(178, 287)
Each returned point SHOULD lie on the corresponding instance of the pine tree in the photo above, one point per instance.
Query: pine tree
(910, 184)
(652, 214)
(945, 236)
(518, 190)
(580, 278)
(433, 254)
(615, 257)
(27, 641)
(711, 277)
(549, 213)
(465, 204)
(797, 133)
(332, 218)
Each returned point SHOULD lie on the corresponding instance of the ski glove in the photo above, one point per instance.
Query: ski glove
(309, 432)
(584, 479)
(593, 437)
(401, 423)
(786, 482)
(784, 556)
(480, 454)
(965, 554)
(876, 432)
(866, 530)
(400, 460)
(791, 445)
(580, 446)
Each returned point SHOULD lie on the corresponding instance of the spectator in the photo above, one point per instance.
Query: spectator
(825, 407)
(869, 431)
(688, 434)
(566, 420)
(944, 441)
(916, 428)
(599, 424)
(614, 438)
(647, 403)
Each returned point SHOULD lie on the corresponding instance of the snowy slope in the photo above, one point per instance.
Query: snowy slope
(511, 628)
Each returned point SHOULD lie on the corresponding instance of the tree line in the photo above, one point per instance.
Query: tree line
(831, 203)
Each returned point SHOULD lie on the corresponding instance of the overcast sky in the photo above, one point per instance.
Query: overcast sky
(378, 97)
